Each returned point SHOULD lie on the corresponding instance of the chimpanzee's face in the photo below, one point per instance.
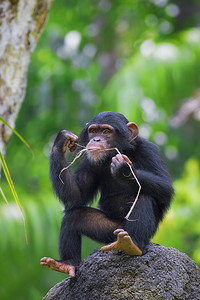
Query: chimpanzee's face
(101, 137)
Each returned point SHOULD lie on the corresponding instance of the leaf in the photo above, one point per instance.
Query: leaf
(17, 134)
(4, 197)
(11, 185)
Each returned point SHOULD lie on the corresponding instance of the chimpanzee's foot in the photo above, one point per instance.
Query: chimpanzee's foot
(58, 266)
(124, 243)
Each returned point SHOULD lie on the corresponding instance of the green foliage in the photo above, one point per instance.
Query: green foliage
(181, 227)
(150, 88)
(21, 261)
(159, 72)
(6, 171)
(15, 132)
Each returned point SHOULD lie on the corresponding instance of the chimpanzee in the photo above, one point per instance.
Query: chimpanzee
(103, 169)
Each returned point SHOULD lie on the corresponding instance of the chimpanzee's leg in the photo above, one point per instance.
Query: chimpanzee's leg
(83, 221)
(87, 221)
(69, 244)
(138, 230)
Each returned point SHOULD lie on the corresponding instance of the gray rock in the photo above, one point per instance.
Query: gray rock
(162, 273)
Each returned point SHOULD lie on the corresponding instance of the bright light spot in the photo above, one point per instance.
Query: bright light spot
(104, 5)
(166, 51)
(160, 138)
(193, 36)
(171, 153)
(12, 212)
(72, 40)
(160, 3)
(150, 112)
(148, 104)
(78, 85)
(70, 47)
(166, 27)
(147, 48)
(93, 30)
(90, 50)
(87, 96)
(173, 10)
(144, 131)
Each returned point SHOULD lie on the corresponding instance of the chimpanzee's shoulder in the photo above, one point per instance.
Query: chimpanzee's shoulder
(142, 142)
(145, 146)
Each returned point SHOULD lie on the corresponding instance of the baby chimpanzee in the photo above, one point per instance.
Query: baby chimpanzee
(108, 172)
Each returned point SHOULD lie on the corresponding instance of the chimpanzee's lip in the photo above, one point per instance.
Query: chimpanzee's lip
(92, 149)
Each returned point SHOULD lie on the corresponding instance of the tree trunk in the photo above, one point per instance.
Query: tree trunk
(21, 24)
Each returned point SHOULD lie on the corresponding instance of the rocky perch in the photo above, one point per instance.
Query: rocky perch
(162, 273)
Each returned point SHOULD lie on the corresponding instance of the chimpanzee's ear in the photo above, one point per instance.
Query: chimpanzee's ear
(133, 128)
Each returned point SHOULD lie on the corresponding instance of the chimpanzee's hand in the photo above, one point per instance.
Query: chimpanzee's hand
(63, 138)
(119, 166)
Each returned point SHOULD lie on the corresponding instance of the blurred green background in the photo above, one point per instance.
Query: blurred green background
(140, 58)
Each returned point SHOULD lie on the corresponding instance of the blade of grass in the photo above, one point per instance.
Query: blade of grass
(17, 134)
(4, 197)
(11, 185)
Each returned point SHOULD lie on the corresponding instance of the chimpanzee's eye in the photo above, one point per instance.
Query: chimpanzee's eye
(93, 130)
(106, 131)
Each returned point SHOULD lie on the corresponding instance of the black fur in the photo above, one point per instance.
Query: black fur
(118, 190)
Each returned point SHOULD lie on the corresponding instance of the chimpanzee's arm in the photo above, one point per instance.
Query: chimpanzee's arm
(148, 168)
(74, 187)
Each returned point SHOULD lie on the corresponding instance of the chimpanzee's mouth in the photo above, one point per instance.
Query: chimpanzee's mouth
(93, 149)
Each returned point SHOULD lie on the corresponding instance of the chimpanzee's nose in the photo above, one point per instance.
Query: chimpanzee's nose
(96, 139)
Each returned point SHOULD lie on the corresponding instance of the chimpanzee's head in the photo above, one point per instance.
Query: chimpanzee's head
(107, 130)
